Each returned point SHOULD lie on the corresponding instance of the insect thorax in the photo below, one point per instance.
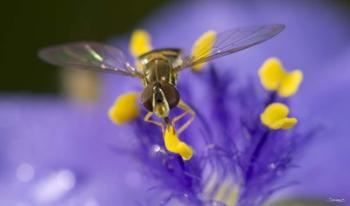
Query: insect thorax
(158, 65)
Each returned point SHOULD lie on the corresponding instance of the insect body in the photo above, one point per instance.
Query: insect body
(160, 93)
(158, 69)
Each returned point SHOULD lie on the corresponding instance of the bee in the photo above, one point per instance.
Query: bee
(158, 69)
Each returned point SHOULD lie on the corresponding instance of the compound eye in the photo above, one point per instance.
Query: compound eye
(171, 94)
(146, 98)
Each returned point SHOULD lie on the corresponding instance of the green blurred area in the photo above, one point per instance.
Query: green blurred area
(30, 25)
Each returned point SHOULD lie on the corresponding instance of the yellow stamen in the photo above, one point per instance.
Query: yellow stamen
(175, 145)
(125, 108)
(227, 193)
(275, 117)
(140, 43)
(202, 48)
(222, 192)
(290, 83)
(274, 78)
(233, 196)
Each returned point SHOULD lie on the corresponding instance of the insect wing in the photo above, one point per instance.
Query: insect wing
(88, 55)
(232, 41)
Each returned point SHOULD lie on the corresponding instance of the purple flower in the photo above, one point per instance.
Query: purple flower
(57, 153)
(301, 46)
(232, 148)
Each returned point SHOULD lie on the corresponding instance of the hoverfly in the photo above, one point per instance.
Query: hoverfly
(158, 69)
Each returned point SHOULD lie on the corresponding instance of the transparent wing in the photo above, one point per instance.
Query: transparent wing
(88, 55)
(232, 41)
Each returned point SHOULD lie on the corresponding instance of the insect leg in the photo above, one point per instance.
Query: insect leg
(187, 110)
(148, 118)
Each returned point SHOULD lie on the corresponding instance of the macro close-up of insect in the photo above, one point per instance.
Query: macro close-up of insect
(175, 103)
(158, 69)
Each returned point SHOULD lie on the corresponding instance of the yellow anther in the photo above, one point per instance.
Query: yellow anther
(275, 117)
(274, 78)
(227, 193)
(233, 196)
(221, 194)
(175, 145)
(290, 83)
(271, 73)
(140, 43)
(202, 48)
(125, 108)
